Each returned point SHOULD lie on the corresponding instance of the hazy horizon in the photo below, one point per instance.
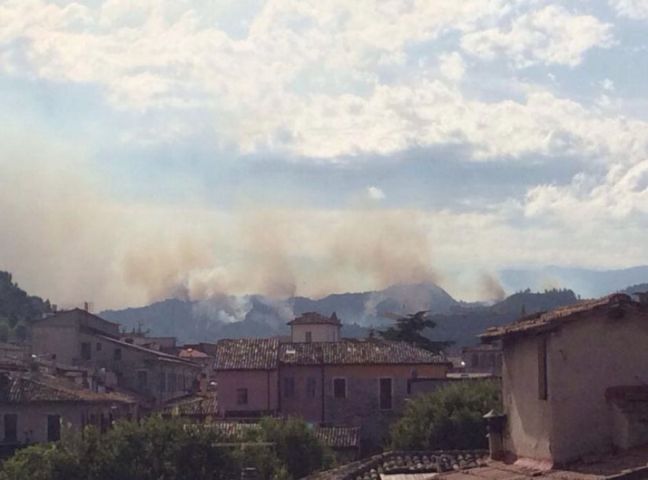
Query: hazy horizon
(288, 147)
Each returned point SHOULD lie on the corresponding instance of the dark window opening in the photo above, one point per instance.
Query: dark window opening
(241, 396)
(86, 354)
(289, 387)
(474, 360)
(309, 337)
(311, 385)
(99, 347)
(10, 427)
(142, 379)
(385, 393)
(117, 354)
(162, 382)
(543, 381)
(53, 428)
(172, 382)
(339, 388)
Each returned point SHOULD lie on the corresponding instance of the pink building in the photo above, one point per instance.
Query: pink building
(321, 377)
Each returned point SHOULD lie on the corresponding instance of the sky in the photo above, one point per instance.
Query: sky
(151, 149)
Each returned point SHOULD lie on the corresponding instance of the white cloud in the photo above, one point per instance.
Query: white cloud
(375, 193)
(452, 66)
(551, 35)
(635, 9)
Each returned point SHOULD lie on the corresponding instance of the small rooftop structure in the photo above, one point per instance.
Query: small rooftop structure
(314, 318)
(315, 327)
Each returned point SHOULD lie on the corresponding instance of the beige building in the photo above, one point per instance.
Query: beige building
(79, 338)
(313, 327)
(574, 380)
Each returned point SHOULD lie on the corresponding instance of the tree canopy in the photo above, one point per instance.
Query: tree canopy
(409, 328)
(449, 419)
(162, 449)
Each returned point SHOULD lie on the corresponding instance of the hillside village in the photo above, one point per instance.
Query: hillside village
(572, 381)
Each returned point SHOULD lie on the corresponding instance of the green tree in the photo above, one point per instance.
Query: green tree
(156, 449)
(410, 329)
(297, 448)
(450, 418)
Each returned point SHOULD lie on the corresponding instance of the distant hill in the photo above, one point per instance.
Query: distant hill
(227, 316)
(233, 317)
(464, 324)
(585, 282)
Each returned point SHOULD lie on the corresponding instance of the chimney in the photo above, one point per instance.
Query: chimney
(495, 423)
(85, 306)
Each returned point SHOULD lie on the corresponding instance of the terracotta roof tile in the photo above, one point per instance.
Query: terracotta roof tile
(246, 354)
(27, 388)
(398, 462)
(553, 318)
(339, 437)
(355, 352)
(197, 404)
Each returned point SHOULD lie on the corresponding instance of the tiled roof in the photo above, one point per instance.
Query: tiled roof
(235, 431)
(391, 463)
(160, 355)
(548, 320)
(339, 437)
(26, 389)
(191, 353)
(314, 318)
(246, 354)
(355, 352)
(197, 404)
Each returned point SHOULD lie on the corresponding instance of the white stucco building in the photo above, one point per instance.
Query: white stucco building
(575, 380)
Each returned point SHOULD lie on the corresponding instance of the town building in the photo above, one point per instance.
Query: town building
(482, 358)
(35, 407)
(574, 382)
(321, 377)
(79, 338)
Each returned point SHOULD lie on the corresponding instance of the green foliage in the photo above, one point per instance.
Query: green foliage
(156, 449)
(17, 307)
(160, 449)
(448, 419)
(298, 451)
(410, 329)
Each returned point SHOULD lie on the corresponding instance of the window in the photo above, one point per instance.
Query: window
(311, 385)
(339, 388)
(241, 396)
(10, 427)
(117, 354)
(289, 387)
(99, 347)
(86, 354)
(162, 382)
(142, 379)
(172, 382)
(54, 427)
(543, 387)
(309, 337)
(385, 393)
